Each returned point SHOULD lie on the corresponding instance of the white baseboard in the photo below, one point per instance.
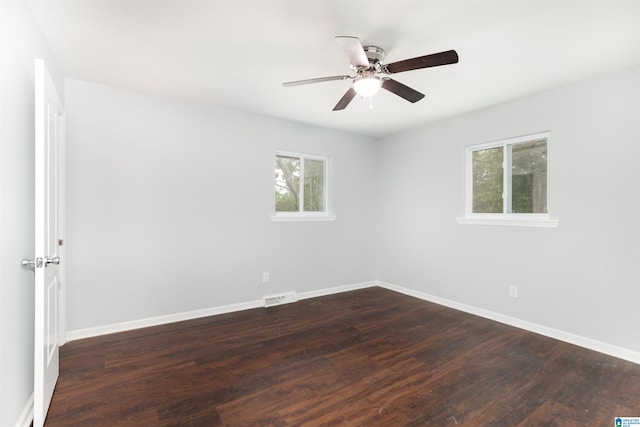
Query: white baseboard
(337, 290)
(160, 320)
(27, 414)
(578, 340)
(591, 344)
(195, 314)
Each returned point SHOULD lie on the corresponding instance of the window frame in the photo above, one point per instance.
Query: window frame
(506, 218)
(301, 215)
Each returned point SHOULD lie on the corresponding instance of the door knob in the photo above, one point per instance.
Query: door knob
(54, 260)
(31, 263)
(39, 262)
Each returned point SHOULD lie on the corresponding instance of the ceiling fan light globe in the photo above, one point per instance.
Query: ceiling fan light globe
(367, 86)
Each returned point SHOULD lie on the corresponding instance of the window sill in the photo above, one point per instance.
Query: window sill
(511, 221)
(302, 218)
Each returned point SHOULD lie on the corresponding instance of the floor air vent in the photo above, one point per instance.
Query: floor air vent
(285, 298)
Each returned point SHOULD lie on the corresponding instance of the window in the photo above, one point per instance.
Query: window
(301, 187)
(507, 182)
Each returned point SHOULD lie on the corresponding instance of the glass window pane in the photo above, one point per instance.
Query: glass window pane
(487, 180)
(529, 177)
(287, 184)
(313, 185)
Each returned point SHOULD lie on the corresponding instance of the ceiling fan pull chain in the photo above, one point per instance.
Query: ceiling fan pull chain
(371, 103)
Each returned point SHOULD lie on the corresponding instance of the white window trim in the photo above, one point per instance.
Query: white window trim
(508, 219)
(299, 216)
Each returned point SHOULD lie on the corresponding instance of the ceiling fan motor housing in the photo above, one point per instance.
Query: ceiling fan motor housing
(375, 54)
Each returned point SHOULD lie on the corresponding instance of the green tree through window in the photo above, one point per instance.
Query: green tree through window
(509, 177)
(529, 177)
(290, 172)
(287, 184)
(488, 180)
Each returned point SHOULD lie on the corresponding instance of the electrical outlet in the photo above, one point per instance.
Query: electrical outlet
(513, 291)
(265, 277)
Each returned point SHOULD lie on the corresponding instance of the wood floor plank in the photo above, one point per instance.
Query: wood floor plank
(370, 357)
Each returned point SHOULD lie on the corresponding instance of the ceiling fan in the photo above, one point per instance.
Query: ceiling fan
(372, 74)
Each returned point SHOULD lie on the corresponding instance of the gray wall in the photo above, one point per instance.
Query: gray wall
(20, 43)
(582, 277)
(185, 190)
(169, 206)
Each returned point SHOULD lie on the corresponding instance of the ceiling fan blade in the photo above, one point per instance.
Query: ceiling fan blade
(433, 60)
(401, 90)
(353, 48)
(345, 100)
(318, 80)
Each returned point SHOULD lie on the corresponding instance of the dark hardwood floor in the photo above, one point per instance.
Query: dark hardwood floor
(371, 357)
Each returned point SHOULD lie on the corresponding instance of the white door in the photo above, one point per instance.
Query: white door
(49, 134)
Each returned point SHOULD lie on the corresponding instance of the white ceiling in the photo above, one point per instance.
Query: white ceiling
(237, 53)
